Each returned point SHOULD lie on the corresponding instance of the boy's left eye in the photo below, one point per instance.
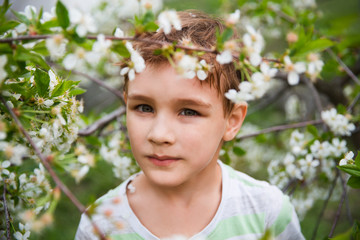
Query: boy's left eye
(189, 112)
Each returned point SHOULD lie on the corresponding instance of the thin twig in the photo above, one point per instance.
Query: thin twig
(314, 92)
(325, 205)
(281, 128)
(46, 164)
(116, 92)
(8, 236)
(338, 212)
(352, 104)
(343, 65)
(102, 122)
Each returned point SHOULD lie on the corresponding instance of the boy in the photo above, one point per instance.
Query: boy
(176, 128)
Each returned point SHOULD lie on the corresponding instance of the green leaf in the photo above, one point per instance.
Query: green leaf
(354, 182)
(148, 17)
(7, 26)
(121, 49)
(227, 34)
(313, 130)
(239, 151)
(21, 17)
(357, 159)
(42, 80)
(315, 46)
(341, 109)
(62, 15)
(151, 27)
(22, 54)
(5, 48)
(77, 91)
(351, 169)
(62, 87)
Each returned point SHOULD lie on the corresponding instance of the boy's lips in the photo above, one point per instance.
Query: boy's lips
(162, 160)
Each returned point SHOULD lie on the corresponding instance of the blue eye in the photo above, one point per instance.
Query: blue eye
(144, 108)
(189, 112)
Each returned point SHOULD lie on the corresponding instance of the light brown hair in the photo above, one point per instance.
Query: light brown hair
(200, 29)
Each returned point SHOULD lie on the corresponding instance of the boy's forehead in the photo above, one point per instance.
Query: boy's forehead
(166, 80)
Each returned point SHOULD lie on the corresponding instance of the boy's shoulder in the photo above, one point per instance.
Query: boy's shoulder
(112, 214)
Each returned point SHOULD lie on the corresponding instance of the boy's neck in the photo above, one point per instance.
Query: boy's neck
(208, 182)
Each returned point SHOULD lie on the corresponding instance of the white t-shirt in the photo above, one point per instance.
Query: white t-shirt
(247, 209)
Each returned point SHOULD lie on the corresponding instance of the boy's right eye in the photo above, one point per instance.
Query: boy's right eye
(144, 108)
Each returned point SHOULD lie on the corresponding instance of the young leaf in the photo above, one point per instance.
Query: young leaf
(22, 54)
(62, 87)
(351, 169)
(354, 182)
(62, 15)
(313, 130)
(239, 151)
(42, 80)
(77, 91)
(357, 159)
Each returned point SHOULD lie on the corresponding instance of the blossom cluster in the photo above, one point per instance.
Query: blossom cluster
(306, 160)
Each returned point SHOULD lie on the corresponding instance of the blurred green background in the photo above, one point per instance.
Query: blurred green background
(336, 13)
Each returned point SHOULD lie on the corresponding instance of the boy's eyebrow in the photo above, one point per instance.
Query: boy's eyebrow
(182, 101)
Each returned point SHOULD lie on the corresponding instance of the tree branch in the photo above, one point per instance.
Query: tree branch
(46, 164)
(281, 128)
(102, 122)
(338, 212)
(116, 92)
(325, 205)
(343, 65)
(8, 236)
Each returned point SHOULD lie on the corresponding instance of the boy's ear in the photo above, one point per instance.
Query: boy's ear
(235, 120)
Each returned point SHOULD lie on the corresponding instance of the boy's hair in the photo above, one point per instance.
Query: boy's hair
(200, 29)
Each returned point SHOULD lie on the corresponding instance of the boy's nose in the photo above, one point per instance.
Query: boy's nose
(161, 131)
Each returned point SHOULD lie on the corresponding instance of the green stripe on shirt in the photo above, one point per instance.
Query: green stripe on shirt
(128, 236)
(284, 217)
(239, 225)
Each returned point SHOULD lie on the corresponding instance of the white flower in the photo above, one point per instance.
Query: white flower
(187, 65)
(21, 28)
(233, 18)
(294, 171)
(253, 39)
(56, 46)
(76, 60)
(3, 73)
(224, 57)
(202, 67)
(293, 70)
(79, 174)
(101, 45)
(167, 19)
(84, 22)
(137, 63)
(308, 162)
(24, 234)
(338, 123)
(339, 147)
(3, 168)
(48, 103)
(315, 65)
(48, 16)
(54, 81)
(289, 159)
(119, 33)
(29, 12)
(347, 159)
(321, 149)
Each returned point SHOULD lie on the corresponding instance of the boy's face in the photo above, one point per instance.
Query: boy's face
(176, 125)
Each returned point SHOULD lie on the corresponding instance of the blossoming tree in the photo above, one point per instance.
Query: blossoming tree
(49, 59)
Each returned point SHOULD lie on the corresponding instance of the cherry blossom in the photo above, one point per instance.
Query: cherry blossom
(293, 70)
